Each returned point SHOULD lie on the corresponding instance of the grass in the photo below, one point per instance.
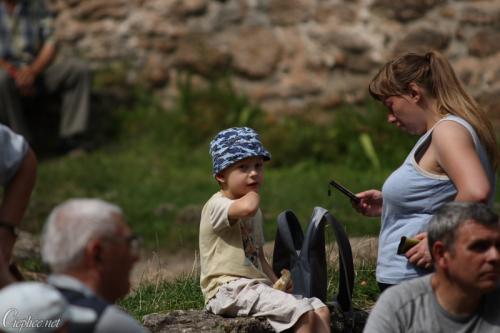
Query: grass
(184, 293)
(156, 165)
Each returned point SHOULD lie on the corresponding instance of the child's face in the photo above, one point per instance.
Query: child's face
(242, 177)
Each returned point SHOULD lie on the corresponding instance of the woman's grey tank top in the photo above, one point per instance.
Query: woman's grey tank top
(411, 196)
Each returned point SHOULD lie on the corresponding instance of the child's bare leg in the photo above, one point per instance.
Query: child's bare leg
(316, 321)
(305, 323)
(322, 320)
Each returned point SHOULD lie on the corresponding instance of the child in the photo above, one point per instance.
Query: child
(236, 279)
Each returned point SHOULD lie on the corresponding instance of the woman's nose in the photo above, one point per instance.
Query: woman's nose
(391, 118)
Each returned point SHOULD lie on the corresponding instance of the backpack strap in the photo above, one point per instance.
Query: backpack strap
(313, 253)
(90, 302)
(346, 269)
(288, 242)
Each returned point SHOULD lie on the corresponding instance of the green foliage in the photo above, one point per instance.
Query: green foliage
(348, 135)
(158, 163)
(201, 112)
(365, 291)
(184, 292)
(34, 264)
(181, 294)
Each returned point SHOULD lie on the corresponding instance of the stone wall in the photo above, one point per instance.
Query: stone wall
(284, 54)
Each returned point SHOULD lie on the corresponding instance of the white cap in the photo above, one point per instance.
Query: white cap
(37, 307)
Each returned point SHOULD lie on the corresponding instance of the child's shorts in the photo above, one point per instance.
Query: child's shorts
(250, 297)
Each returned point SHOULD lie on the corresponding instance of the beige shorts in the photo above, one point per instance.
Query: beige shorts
(256, 298)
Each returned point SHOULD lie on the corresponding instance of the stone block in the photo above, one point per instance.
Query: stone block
(422, 40)
(255, 52)
(484, 43)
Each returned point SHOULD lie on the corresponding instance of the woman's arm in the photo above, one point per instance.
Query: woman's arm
(455, 153)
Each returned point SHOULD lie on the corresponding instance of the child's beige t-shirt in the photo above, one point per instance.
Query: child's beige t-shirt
(228, 252)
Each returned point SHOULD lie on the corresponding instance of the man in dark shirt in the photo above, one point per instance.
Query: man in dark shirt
(27, 67)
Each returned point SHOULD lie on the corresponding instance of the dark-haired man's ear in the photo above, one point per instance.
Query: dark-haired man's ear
(440, 254)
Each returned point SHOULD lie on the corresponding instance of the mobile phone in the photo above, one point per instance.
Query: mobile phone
(345, 191)
(405, 244)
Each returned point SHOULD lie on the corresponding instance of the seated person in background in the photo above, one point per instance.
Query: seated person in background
(27, 67)
(91, 251)
(463, 295)
(30, 307)
(236, 279)
(17, 177)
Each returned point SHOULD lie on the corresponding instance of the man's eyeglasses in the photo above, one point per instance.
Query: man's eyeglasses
(133, 241)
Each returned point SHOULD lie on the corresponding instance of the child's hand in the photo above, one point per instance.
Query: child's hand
(289, 287)
(284, 281)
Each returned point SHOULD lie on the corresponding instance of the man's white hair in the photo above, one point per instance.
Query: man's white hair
(71, 225)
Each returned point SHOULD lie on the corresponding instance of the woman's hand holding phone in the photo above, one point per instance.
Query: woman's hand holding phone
(370, 203)
(419, 255)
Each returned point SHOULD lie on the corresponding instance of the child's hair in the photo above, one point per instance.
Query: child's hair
(433, 72)
(235, 144)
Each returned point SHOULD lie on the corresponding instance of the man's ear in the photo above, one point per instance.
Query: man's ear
(93, 252)
(440, 254)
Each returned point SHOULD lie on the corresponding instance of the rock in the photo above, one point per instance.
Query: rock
(27, 246)
(196, 52)
(255, 52)
(484, 43)
(231, 12)
(490, 101)
(156, 71)
(346, 12)
(292, 49)
(286, 12)
(423, 40)
(482, 13)
(201, 321)
(406, 10)
(360, 63)
(97, 9)
(350, 40)
(186, 8)
(69, 31)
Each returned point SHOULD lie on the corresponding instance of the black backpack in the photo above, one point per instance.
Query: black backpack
(305, 258)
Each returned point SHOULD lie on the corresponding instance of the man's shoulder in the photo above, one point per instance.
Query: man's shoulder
(494, 296)
(116, 320)
(408, 291)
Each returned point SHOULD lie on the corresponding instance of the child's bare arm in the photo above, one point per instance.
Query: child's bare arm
(266, 268)
(244, 207)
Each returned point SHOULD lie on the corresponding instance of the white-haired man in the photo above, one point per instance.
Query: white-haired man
(463, 295)
(91, 251)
